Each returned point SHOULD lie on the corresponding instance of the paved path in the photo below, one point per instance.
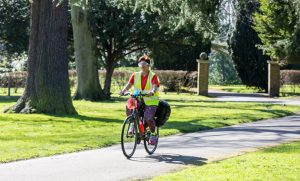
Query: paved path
(174, 152)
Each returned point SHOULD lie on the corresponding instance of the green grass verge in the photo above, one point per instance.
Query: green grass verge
(235, 88)
(13, 91)
(276, 164)
(99, 124)
(285, 91)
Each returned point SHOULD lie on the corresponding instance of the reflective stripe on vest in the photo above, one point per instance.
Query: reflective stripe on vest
(149, 101)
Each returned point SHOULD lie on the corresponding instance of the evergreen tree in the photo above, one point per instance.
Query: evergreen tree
(14, 25)
(249, 61)
(277, 24)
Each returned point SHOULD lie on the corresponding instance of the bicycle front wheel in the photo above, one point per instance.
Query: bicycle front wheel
(129, 137)
(150, 149)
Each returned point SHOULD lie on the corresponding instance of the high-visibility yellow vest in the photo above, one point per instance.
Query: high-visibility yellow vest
(151, 100)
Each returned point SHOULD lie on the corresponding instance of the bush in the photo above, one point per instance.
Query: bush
(290, 77)
(290, 82)
(170, 80)
(17, 80)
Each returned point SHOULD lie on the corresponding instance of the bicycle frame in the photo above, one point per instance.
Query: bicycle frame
(136, 117)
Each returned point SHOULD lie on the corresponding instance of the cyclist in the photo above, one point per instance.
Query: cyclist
(146, 82)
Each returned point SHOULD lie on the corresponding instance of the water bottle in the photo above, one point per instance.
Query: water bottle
(141, 127)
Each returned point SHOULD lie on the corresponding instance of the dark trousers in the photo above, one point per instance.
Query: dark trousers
(149, 113)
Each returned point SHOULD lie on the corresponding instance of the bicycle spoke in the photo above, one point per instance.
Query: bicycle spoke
(128, 140)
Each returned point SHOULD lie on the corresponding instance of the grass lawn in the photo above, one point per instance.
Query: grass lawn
(276, 164)
(98, 124)
(235, 88)
(285, 91)
(13, 91)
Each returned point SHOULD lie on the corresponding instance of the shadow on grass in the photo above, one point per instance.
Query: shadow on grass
(6, 99)
(193, 125)
(87, 118)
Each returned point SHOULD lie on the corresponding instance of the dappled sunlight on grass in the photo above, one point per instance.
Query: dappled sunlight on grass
(99, 124)
(277, 163)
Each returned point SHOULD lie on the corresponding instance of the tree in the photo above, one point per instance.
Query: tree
(175, 14)
(125, 26)
(179, 50)
(120, 31)
(277, 24)
(249, 61)
(14, 25)
(88, 86)
(221, 69)
(47, 88)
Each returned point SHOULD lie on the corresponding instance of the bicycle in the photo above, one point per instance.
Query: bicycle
(141, 130)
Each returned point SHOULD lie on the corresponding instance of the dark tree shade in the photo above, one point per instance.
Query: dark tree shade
(14, 25)
(249, 61)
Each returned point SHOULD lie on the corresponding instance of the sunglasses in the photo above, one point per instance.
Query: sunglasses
(143, 64)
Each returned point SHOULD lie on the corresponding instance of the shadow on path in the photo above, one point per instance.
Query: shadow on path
(172, 159)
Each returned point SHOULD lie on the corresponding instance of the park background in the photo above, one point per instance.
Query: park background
(104, 40)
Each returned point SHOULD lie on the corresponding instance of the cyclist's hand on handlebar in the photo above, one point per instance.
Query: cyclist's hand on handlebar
(121, 93)
(150, 93)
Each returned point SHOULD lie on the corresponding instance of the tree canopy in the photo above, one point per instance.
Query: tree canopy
(14, 25)
(249, 61)
(277, 24)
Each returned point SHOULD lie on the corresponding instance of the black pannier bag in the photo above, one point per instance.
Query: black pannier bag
(162, 113)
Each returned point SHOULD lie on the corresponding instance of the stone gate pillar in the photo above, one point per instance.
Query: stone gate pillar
(273, 79)
(202, 81)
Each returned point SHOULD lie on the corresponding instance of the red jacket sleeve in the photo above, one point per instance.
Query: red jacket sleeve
(131, 79)
(155, 80)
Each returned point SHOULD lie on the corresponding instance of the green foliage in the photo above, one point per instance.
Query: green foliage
(175, 14)
(14, 25)
(222, 70)
(275, 23)
(249, 61)
(15, 62)
(179, 50)
(119, 30)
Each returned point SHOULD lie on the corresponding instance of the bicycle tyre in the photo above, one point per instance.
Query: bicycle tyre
(126, 124)
(150, 149)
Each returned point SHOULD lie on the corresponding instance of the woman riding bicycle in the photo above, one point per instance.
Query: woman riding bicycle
(145, 82)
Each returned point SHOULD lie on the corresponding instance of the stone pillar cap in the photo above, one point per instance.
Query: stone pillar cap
(203, 56)
(202, 61)
(272, 62)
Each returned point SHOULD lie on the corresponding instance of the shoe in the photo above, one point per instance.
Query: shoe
(153, 140)
(131, 130)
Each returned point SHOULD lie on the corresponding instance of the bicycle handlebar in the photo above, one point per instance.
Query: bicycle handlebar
(135, 95)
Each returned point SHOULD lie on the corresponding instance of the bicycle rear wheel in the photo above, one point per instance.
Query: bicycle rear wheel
(129, 140)
(150, 149)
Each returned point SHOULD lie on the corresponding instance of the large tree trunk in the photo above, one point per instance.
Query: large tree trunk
(47, 87)
(88, 86)
(110, 66)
